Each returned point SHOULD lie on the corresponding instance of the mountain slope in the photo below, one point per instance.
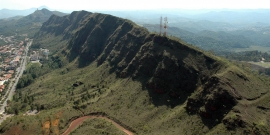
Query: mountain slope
(148, 83)
(28, 24)
(7, 13)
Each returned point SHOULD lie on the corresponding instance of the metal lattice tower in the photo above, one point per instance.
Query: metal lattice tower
(160, 30)
(165, 25)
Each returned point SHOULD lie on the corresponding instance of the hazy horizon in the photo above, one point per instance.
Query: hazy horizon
(134, 5)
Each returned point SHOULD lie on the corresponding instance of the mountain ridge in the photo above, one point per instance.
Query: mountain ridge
(27, 24)
(7, 13)
(152, 83)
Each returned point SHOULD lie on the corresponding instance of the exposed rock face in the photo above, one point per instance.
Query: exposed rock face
(174, 73)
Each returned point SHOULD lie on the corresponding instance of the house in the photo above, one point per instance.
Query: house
(16, 60)
(11, 67)
(2, 82)
(11, 71)
(19, 54)
(7, 76)
(34, 57)
(8, 60)
(2, 87)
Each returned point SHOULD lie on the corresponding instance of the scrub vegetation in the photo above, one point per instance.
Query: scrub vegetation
(148, 83)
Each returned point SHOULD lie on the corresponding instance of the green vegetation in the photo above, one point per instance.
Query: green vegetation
(29, 24)
(22, 103)
(255, 56)
(97, 126)
(148, 83)
(254, 60)
(36, 70)
(259, 36)
(262, 64)
(253, 48)
(5, 90)
(208, 40)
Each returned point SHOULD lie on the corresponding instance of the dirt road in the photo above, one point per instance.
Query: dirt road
(75, 123)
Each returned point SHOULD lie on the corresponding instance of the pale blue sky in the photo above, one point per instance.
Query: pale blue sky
(134, 4)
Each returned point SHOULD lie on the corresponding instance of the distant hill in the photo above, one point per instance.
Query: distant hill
(198, 20)
(207, 40)
(28, 24)
(7, 13)
(150, 84)
(246, 26)
(259, 36)
(13, 18)
(237, 16)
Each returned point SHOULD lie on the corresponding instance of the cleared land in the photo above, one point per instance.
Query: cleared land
(262, 64)
(253, 48)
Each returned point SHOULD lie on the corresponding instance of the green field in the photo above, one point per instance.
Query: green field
(262, 64)
(97, 126)
(253, 48)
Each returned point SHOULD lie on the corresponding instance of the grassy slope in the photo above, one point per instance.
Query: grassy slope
(123, 99)
(97, 126)
(130, 100)
(135, 107)
(29, 24)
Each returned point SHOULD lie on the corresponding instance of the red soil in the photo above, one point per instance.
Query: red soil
(74, 124)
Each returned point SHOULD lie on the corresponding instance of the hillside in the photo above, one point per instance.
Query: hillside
(28, 24)
(147, 83)
(259, 36)
(7, 13)
(207, 40)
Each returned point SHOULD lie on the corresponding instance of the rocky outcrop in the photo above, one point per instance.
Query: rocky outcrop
(173, 72)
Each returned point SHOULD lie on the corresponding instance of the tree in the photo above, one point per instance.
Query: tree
(32, 107)
(38, 107)
(8, 102)
(16, 111)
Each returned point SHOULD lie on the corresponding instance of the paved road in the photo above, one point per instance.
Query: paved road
(14, 81)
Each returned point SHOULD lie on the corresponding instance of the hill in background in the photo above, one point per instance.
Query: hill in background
(217, 41)
(216, 30)
(28, 24)
(9, 13)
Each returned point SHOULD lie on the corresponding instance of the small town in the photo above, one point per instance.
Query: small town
(11, 54)
(13, 60)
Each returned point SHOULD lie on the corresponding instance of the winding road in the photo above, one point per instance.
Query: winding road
(75, 123)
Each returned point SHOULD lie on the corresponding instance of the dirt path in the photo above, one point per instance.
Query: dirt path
(75, 123)
(233, 90)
